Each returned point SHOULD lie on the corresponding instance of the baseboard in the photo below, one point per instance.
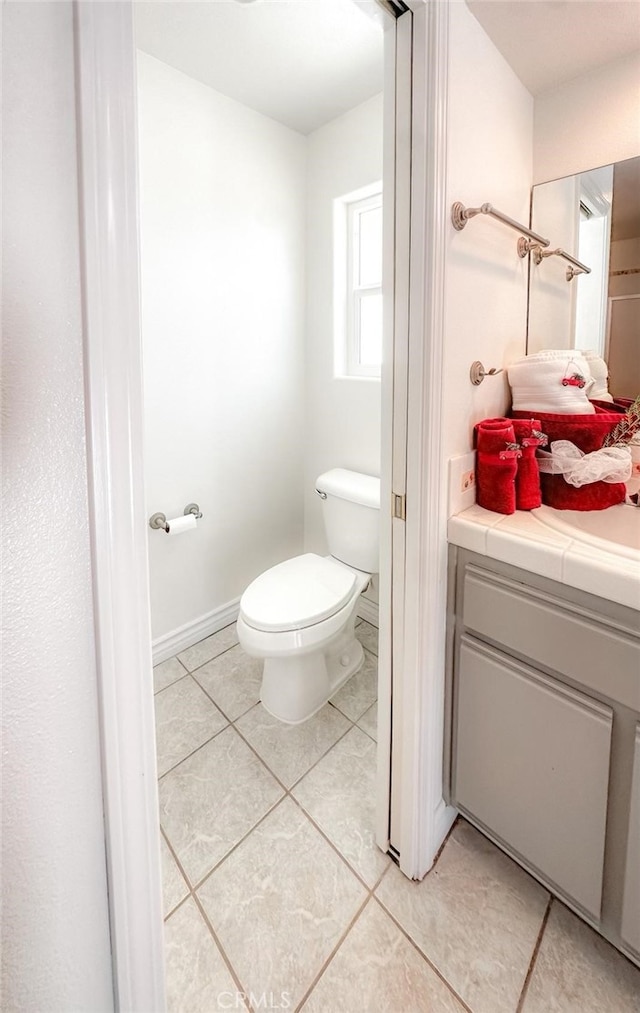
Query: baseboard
(185, 636)
(368, 610)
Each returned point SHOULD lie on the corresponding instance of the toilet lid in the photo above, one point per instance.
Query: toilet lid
(297, 593)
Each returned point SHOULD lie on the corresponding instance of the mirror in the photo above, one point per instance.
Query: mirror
(595, 217)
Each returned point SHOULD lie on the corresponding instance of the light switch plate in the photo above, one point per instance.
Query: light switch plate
(462, 482)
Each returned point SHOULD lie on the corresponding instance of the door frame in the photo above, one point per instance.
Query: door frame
(107, 149)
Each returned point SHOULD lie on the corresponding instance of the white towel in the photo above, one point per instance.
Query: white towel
(600, 374)
(556, 381)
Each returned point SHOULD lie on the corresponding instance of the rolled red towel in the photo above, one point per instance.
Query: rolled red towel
(497, 463)
(528, 435)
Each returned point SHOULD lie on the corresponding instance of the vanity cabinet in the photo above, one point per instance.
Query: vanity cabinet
(543, 743)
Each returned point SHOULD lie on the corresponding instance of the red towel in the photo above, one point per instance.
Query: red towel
(588, 433)
(529, 436)
(496, 465)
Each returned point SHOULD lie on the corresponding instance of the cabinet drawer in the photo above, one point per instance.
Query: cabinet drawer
(549, 632)
(531, 761)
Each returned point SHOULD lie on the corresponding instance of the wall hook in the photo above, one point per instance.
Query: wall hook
(477, 373)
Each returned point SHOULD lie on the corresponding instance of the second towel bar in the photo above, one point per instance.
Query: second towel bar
(576, 266)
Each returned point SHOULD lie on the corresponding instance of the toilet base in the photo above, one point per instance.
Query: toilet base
(294, 688)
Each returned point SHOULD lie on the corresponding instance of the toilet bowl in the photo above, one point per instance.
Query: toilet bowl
(299, 616)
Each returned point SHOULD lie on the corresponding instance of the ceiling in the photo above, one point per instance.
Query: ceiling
(301, 62)
(304, 62)
(547, 42)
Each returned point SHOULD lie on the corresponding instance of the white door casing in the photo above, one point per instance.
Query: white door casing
(106, 117)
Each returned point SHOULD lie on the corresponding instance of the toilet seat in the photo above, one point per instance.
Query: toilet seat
(296, 594)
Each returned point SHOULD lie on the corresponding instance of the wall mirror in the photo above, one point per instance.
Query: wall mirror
(595, 217)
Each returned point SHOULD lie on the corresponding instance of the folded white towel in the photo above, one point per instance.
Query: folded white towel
(554, 381)
(600, 374)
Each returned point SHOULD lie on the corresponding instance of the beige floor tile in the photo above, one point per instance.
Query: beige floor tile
(369, 722)
(209, 648)
(289, 750)
(166, 673)
(360, 691)
(280, 903)
(340, 795)
(477, 917)
(577, 971)
(197, 978)
(233, 681)
(212, 799)
(185, 719)
(174, 887)
(368, 636)
(377, 970)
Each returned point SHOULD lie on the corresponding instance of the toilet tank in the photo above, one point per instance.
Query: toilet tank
(351, 511)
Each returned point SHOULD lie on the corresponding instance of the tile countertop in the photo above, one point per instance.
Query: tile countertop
(532, 541)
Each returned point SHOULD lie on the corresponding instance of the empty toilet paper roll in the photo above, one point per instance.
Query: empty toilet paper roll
(178, 525)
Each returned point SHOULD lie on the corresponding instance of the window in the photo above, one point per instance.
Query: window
(358, 295)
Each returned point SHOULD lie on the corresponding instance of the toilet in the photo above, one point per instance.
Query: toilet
(299, 616)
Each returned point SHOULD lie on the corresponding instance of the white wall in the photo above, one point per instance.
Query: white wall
(589, 121)
(222, 226)
(55, 932)
(490, 121)
(343, 413)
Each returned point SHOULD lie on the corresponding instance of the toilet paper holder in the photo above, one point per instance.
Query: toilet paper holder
(159, 521)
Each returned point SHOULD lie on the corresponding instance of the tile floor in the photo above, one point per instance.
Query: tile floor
(274, 889)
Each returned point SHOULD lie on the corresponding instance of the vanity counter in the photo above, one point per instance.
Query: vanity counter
(553, 544)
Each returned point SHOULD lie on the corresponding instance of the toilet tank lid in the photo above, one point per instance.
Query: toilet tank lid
(352, 486)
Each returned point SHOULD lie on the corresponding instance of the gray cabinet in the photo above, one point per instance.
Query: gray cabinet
(543, 711)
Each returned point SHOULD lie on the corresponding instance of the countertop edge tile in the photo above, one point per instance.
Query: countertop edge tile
(521, 540)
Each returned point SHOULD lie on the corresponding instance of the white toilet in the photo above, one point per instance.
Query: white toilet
(300, 615)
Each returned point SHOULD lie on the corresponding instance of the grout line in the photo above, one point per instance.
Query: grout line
(196, 750)
(192, 670)
(324, 755)
(175, 682)
(335, 949)
(235, 847)
(239, 986)
(333, 846)
(534, 956)
(215, 656)
(231, 721)
(173, 658)
(424, 956)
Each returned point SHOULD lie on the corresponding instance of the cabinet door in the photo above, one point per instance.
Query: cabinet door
(630, 930)
(531, 762)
